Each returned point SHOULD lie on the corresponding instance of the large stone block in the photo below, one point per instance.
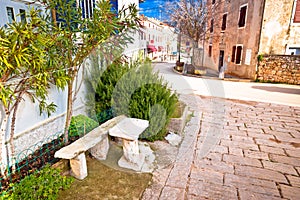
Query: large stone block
(100, 150)
(78, 166)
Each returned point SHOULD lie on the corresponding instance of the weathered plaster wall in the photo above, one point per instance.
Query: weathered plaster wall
(278, 30)
(247, 36)
(279, 68)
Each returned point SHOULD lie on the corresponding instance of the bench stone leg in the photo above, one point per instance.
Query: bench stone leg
(79, 167)
(100, 150)
(131, 159)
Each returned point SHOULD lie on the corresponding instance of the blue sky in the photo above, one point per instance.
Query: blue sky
(155, 8)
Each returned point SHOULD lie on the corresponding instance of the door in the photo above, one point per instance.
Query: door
(221, 59)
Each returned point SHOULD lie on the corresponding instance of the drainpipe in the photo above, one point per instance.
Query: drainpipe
(260, 35)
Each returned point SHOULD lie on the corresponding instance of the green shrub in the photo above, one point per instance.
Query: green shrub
(80, 125)
(260, 57)
(156, 103)
(44, 184)
(135, 91)
(106, 84)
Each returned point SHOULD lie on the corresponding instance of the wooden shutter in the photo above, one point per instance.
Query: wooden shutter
(224, 21)
(242, 20)
(233, 54)
(212, 25)
(238, 54)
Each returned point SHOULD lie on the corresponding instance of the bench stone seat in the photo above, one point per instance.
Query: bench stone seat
(82, 145)
(96, 141)
(129, 130)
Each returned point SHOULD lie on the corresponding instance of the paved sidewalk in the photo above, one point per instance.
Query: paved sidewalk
(234, 149)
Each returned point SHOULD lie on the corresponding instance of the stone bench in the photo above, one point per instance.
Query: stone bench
(95, 141)
(129, 130)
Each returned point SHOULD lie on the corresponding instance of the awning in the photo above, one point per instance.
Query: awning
(151, 48)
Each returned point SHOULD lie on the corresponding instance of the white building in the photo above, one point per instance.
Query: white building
(14, 10)
(160, 38)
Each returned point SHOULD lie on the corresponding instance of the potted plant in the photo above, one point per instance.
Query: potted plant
(179, 66)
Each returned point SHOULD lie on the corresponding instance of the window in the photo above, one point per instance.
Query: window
(236, 56)
(114, 4)
(212, 25)
(87, 7)
(210, 50)
(243, 13)
(10, 14)
(23, 15)
(297, 12)
(224, 22)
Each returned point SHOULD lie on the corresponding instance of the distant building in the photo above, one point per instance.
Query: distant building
(161, 39)
(14, 10)
(240, 30)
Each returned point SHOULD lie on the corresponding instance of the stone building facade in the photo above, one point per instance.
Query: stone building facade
(244, 29)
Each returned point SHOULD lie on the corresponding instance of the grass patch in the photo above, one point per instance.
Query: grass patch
(103, 182)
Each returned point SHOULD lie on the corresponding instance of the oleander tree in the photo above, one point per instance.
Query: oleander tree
(46, 51)
(28, 68)
(78, 36)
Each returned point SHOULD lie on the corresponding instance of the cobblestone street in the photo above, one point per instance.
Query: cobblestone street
(244, 150)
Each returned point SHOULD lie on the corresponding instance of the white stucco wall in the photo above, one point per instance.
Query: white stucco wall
(33, 128)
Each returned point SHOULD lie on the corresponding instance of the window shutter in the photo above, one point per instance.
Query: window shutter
(233, 54)
(224, 21)
(297, 12)
(242, 19)
(238, 54)
(83, 9)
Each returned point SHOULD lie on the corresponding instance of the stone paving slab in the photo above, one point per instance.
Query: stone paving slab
(252, 151)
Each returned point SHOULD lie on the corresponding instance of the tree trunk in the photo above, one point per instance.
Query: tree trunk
(2, 141)
(12, 134)
(69, 110)
(195, 46)
(53, 15)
